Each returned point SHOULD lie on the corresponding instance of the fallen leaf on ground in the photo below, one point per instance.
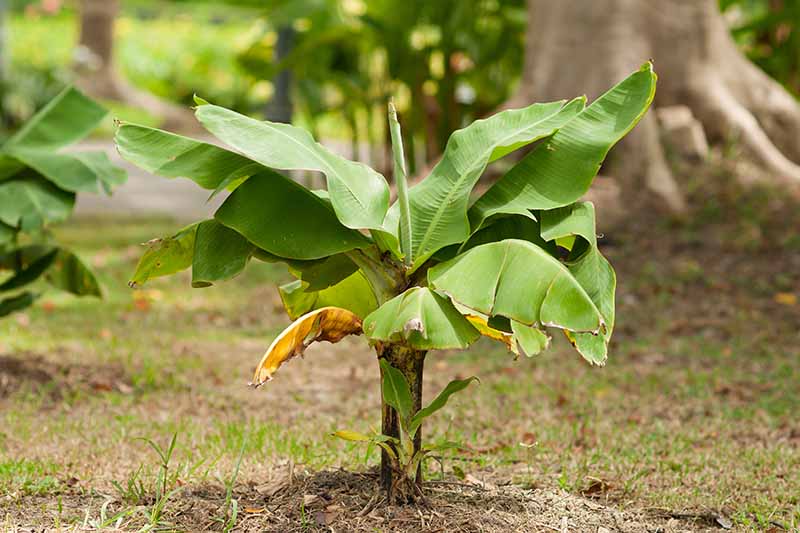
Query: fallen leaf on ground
(785, 298)
(326, 517)
(596, 487)
(528, 439)
(272, 487)
(724, 522)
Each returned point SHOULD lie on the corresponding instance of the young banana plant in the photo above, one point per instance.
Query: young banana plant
(431, 271)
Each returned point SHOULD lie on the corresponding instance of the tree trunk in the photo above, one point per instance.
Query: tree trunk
(280, 108)
(586, 47)
(97, 75)
(410, 362)
(97, 44)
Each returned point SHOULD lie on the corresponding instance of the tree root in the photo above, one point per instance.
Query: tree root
(776, 110)
(724, 116)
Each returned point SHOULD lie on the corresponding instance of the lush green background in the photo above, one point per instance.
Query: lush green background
(349, 56)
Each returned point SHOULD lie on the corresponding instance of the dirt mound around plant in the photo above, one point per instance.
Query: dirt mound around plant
(30, 371)
(343, 501)
(351, 501)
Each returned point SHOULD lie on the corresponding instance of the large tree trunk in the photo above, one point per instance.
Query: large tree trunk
(95, 66)
(586, 47)
(410, 362)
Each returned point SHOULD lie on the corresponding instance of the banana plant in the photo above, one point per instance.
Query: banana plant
(430, 271)
(38, 184)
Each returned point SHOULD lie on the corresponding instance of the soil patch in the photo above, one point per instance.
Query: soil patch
(33, 372)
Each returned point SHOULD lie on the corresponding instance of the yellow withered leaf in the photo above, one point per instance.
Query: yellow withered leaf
(483, 327)
(330, 324)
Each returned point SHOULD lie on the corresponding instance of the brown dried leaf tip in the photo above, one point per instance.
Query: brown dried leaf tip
(330, 324)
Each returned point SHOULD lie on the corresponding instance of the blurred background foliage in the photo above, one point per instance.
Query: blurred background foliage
(769, 32)
(445, 62)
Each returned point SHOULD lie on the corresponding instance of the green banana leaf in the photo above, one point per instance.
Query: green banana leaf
(360, 196)
(175, 156)
(219, 254)
(439, 203)
(422, 319)
(68, 118)
(560, 170)
(58, 266)
(526, 228)
(352, 293)
(286, 219)
(531, 339)
(28, 264)
(7, 234)
(518, 280)
(166, 256)
(17, 302)
(75, 172)
(323, 273)
(30, 202)
(69, 273)
(589, 267)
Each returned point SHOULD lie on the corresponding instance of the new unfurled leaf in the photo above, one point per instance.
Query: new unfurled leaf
(405, 229)
(560, 170)
(421, 319)
(518, 280)
(395, 389)
(330, 324)
(360, 196)
(439, 203)
(165, 256)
